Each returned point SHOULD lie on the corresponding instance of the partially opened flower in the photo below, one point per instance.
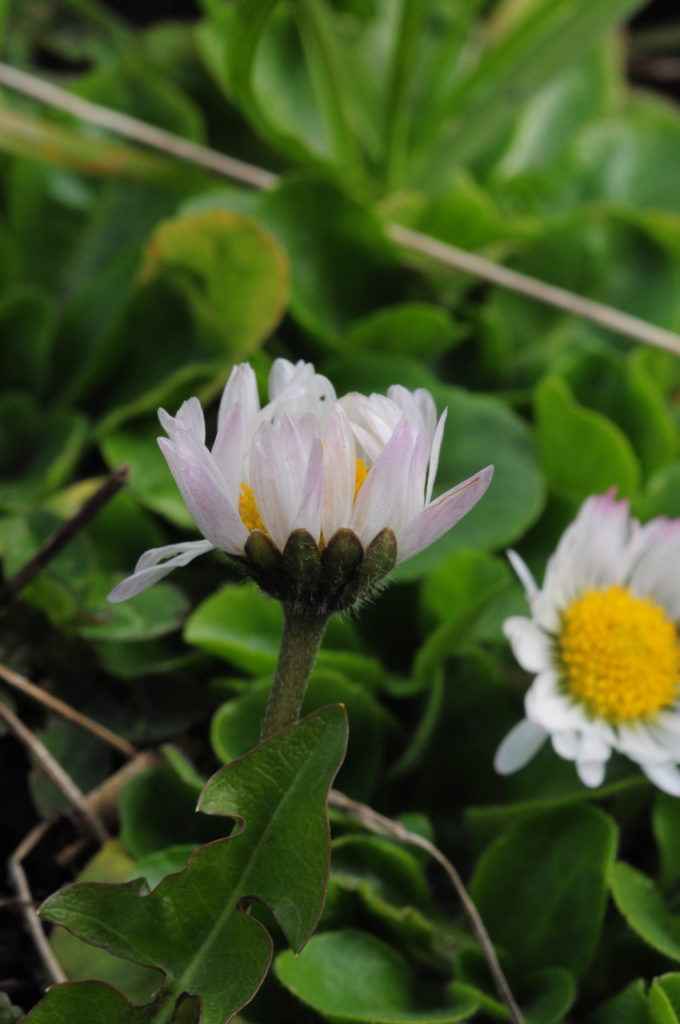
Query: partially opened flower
(603, 642)
(351, 479)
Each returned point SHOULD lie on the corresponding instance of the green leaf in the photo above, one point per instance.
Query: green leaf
(157, 809)
(231, 271)
(628, 1007)
(193, 926)
(352, 976)
(480, 430)
(411, 329)
(643, 907)
(87, 1002)
(524, 52)
(151, 482)
(241, 625)
(551, 913)
(666, 825)
(669, 985)
(581, 451)
(27, 323)
(236, 725)
(154, 613)
(343, 266)
(80, 960)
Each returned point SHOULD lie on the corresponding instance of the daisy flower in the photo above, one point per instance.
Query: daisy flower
(603, 642)
(307, 462)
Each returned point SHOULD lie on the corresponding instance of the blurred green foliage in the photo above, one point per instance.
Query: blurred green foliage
(130, 280)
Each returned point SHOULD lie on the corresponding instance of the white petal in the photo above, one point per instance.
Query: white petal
(189, 419)
(639, 743)
(566, 743)
(530, 645)
(523, 573)
(665, 776)
(546, 706)
(308, 516)
(435, 450)
(228, 451)
(651, 576)
(155, 564)
(382, 488)
(240, 390)
(204, 492)
(339, 472)
(443, 514)
(518, 747)
(278, 469)
(591, 773)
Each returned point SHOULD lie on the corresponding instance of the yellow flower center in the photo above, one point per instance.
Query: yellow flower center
(250, 514)
(248, 510)
(620, 655)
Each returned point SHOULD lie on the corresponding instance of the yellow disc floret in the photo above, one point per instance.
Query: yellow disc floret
(361, 472)
(248, 510)
(619, 655)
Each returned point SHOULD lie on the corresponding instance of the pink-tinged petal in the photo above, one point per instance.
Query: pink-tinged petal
(278, 465)
(665, 776)
(240, 389)
(519, 746)
(308, 516)
(339, 471)
(297, 389)
(530, 645)
(189, 419)
(204, 492)
(523, 574)
(381, 491)
(435, 449)
(443, 514)
(418, 406)
(155, 564)
(650, 576)
(229, 450)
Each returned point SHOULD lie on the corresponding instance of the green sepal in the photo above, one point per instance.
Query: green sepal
(378, 562)
(302, 568)
(340, 559)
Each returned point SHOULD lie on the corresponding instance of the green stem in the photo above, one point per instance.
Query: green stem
(397, 108)
(324, 66)
(302, 636)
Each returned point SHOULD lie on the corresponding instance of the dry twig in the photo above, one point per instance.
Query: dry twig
(60, 707)
(256, 177)
(378, 823)
(19, 880)
(89, 819)
(63, 536)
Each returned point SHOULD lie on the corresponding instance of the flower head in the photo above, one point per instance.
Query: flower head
(338, 483)
(603, 642)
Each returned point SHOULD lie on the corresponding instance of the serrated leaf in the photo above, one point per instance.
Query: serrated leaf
(351, 976)
(195, 926)
(645, 910)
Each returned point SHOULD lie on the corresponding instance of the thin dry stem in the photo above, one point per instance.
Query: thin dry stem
(89, 819)
(64, 535)
(378, 823)
(60, 707)
(25, 902)
(256, 177)
(132, 128)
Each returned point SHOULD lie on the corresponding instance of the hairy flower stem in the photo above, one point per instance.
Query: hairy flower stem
(302, 635)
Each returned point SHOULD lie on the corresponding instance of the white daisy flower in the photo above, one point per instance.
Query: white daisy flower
(306, 461)
(603, 642)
